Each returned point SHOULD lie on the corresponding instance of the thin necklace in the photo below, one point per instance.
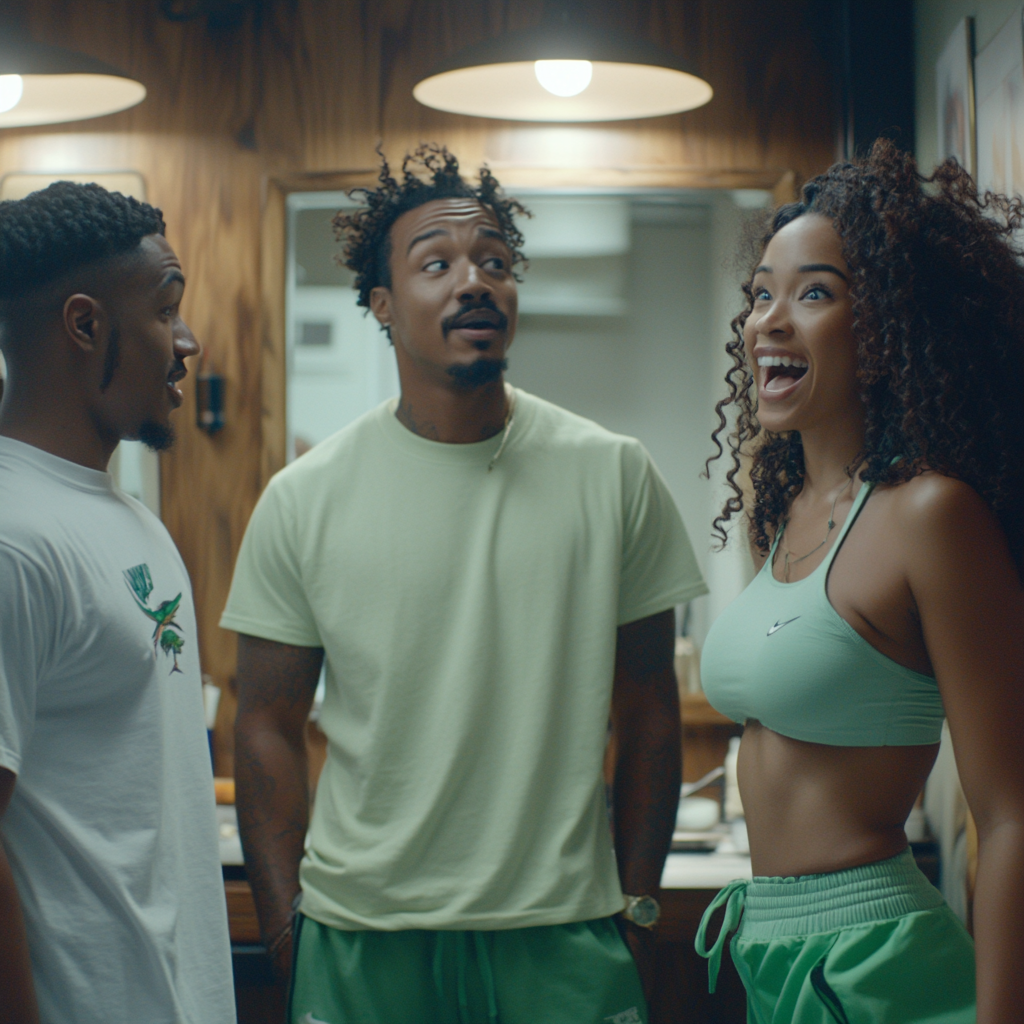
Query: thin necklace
(788, 560)
(510, 397)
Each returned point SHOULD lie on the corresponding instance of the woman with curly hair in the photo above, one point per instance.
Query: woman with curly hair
(876, 381)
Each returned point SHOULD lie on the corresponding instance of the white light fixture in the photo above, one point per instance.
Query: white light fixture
(563, 77)
(42, 84)
(11, 88)
(563, 70)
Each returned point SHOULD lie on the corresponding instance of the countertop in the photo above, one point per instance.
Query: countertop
(682, 870)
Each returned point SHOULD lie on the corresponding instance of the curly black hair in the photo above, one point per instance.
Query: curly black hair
(367, 231)
(938, 313)
(66, 226)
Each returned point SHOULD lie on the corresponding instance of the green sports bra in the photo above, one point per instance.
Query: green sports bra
(781, 654)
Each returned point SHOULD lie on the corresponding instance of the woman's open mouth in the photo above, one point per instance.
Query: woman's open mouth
(781, 375)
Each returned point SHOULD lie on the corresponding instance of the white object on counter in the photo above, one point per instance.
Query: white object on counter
(687, 665)
(739, 837)
(211, 701)
(733, 803)
(697, 814)
(704, 870)
(230, 842)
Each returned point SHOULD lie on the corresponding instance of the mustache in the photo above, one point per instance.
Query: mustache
(449, 323)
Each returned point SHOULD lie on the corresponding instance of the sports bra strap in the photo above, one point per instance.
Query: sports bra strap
(858, 504)
(855, 510)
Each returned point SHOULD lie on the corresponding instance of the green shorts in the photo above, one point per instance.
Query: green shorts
(873, 945)
(580, 973)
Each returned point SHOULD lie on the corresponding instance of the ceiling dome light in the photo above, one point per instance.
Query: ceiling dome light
(508, 77)
(564, 77)
(11, 88)
(48, 85)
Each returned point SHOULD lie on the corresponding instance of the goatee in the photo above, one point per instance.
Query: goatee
(157, 437)
(476, 375)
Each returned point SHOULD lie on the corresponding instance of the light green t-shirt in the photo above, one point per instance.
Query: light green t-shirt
(469, 623)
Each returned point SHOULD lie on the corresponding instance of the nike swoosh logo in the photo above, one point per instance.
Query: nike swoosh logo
(779, 625)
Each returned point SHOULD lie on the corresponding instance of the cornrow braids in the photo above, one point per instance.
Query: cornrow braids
(430, 172)
(938, 315)
(65, 226)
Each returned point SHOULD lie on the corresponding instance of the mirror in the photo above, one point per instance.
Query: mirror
(624, 311)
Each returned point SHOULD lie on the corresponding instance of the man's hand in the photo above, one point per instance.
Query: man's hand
(276, 685)
(648, 767)
(17, 992)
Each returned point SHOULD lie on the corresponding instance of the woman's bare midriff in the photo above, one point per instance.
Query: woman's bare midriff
(812, 808)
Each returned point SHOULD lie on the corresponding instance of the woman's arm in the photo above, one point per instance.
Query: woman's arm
(971, 604)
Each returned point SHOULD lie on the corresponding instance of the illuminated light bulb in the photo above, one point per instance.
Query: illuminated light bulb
(564, 77)
(11, 87)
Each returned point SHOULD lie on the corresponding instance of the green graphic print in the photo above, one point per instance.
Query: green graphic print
(140, 583)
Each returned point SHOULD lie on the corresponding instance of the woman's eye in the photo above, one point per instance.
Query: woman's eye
(436, 265)
(817, 292)
(761, 294)
(495, 263)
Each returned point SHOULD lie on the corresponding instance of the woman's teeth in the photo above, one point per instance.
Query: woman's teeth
(800, 364)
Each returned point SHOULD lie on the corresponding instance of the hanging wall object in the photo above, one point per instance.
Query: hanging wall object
(209, 402)
(999, 92)
(565, 69)
(954, 97)
(42, 84)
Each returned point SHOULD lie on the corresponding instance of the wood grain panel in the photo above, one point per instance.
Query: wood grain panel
(311, 86)
(243, 924)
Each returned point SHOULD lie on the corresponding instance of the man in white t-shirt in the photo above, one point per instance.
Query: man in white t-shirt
(111, 900)
(484, 577)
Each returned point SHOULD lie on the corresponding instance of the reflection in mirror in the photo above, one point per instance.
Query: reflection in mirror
(624, 312)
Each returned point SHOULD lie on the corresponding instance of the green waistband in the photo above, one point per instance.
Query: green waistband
(778, 907)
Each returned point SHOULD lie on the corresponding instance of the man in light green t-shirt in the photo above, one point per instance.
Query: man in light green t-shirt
(486, 578)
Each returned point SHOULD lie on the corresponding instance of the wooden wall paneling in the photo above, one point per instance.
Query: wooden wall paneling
(273, 348)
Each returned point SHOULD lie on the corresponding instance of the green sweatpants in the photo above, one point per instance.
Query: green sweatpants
(873, 945)
(580, 973)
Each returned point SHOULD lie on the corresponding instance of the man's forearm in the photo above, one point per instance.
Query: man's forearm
(17, 993)
(273, 815)
(646, 793)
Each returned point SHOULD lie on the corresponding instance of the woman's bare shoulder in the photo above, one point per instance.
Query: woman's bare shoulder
(932, 500)
(940, 516)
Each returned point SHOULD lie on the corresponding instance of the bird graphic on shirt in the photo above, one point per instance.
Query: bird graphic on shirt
(140, 583)
(171, 643)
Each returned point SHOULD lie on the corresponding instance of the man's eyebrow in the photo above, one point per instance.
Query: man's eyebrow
(493, 233)
(424, 237)
(173, 275)
(814, 268)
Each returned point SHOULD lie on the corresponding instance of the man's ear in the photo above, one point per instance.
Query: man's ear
(82, 318)
(380, 305)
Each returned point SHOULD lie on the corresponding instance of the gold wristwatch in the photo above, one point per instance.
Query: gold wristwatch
(643, 911)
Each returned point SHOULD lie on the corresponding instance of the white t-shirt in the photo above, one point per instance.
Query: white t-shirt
(111, 830)
(469, 622)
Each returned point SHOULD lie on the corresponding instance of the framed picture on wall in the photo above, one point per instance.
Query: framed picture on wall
(999, 98)
(954, 97)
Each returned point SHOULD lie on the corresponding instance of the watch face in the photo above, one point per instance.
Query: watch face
(644, 911)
